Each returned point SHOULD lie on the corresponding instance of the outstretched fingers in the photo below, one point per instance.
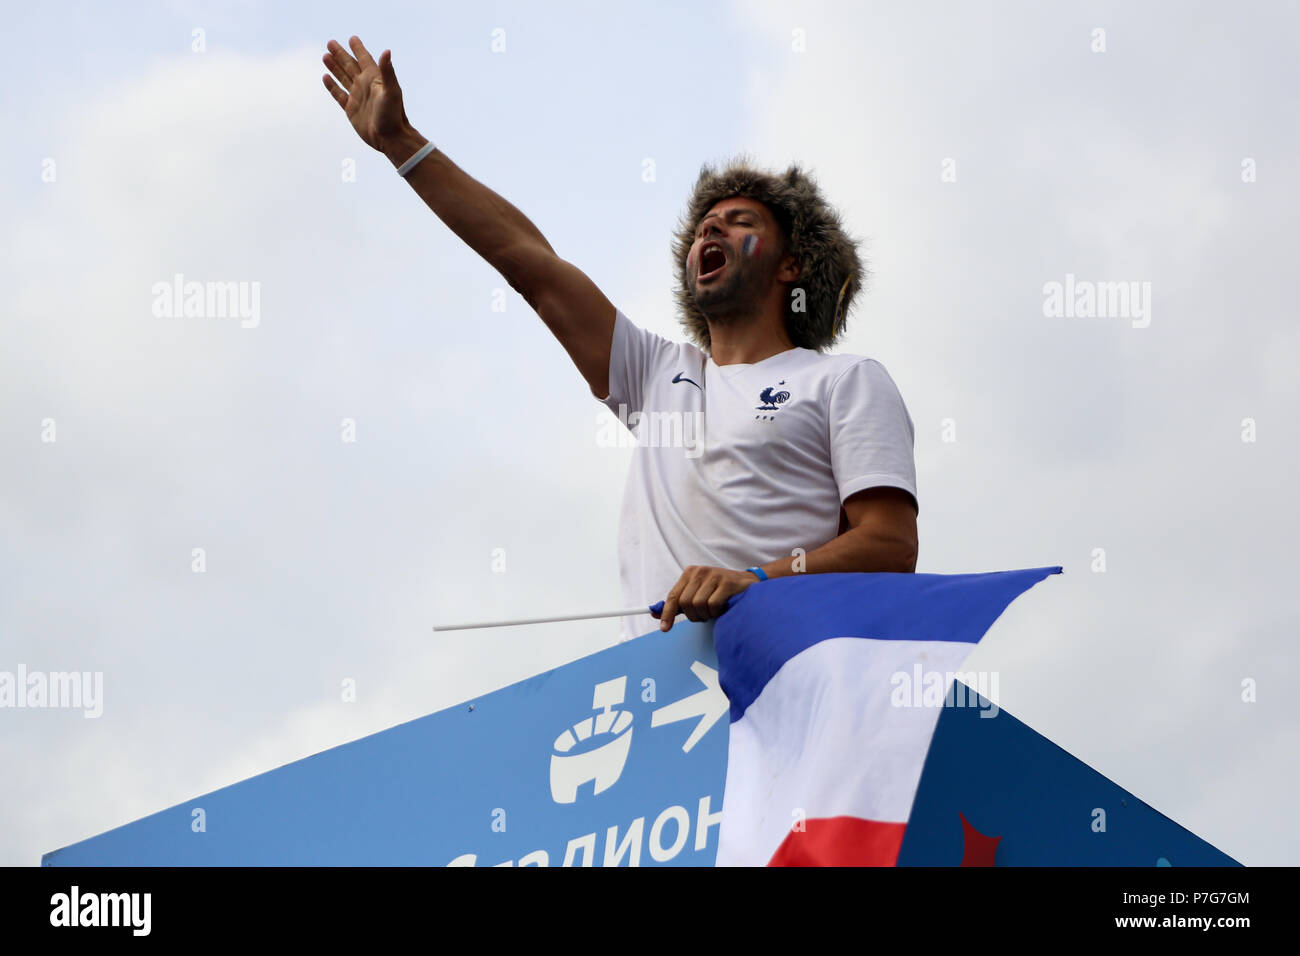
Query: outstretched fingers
(340, 96)
(386, 67)
(341, 64)
(346, 70)
(363, 55)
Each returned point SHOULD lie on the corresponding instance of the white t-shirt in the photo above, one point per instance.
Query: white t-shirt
(738, 465)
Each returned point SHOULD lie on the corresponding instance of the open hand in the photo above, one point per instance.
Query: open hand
(369, 94)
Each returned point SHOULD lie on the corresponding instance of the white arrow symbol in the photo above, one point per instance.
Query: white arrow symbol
(708, 704)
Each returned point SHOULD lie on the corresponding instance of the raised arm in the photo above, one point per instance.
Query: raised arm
(570, 304)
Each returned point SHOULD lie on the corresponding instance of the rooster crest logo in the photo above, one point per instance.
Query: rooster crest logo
(771, 398)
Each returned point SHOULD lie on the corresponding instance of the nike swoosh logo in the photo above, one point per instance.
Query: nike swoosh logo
(679, 377)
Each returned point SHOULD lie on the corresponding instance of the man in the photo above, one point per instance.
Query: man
(806, 462)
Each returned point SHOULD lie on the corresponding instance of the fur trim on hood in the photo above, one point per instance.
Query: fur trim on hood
(826, 255)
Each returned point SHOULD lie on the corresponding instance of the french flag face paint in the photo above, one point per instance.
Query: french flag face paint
(752, 247)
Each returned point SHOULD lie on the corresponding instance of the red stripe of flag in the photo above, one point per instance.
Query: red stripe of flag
(841, 841)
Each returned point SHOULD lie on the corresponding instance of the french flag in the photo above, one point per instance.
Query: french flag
(828, 732)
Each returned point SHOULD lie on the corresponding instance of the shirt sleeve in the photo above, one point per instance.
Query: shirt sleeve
(871, 432)
(634, 355)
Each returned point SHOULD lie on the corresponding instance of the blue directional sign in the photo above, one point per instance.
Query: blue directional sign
(618, 758)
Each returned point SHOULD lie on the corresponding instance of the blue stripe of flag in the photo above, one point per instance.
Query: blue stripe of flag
(772, 621)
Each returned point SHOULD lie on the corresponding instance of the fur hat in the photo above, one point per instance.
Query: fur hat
(826, 255)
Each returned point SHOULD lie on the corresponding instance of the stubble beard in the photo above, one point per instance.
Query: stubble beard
(732, 299)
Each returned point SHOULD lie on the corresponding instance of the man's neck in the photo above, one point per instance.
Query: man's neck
(747, 343)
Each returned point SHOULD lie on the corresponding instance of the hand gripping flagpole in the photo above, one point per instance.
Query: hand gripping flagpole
(653, 610)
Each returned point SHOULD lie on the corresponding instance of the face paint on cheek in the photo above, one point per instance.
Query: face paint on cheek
(752, 246)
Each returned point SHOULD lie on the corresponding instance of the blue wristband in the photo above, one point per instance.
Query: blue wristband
(759, 572)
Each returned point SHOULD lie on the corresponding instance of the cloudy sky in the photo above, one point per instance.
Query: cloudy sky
(982, 150)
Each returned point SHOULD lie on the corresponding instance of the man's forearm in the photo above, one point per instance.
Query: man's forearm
(858, 549)
(486, 222)
(701, 590)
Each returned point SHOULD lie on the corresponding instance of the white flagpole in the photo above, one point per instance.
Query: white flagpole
(628, 612)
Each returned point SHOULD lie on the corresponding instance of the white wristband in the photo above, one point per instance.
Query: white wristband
(410, 164)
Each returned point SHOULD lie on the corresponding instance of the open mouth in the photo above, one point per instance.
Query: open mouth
(713, 259)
